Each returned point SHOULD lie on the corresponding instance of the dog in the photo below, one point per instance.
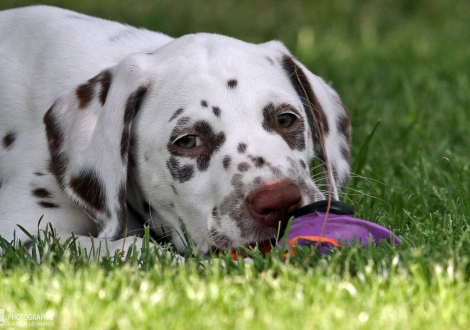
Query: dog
(106, 128)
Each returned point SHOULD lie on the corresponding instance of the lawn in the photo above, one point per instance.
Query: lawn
(403, 69)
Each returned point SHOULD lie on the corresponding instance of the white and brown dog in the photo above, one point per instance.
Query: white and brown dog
(105, 128)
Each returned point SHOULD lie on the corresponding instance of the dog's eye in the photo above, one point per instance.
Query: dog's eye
(286, 120)
(189, 141)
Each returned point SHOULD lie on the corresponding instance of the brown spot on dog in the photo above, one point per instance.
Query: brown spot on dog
(48, 205)
(88, 186)
(257, 161)
(55, 135)
(204, 103)
(55, 140)
(59, 160)
(38, 173)
(344, 127)
(216, 111)
(346, 153)
(181, 125)
(9, 139)
(176, 114)
(232, 83)
(303, 164)
(270, 60)
(237, 183)
(243, 167)
(226, 162)
(86, 92)
(293, 134)
(121, 210)
(270, 118)
(133, 104)
(58, 166)
(179, 172)
(105, 79)
(258, 181)
(41, 193)
(212, 143)
(241, 147)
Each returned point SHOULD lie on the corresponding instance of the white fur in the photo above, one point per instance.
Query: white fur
(46, 53)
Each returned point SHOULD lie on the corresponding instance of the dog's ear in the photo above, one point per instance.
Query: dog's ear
(328, 118)
(88, 132)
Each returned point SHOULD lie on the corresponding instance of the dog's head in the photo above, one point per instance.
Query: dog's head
(207, 133)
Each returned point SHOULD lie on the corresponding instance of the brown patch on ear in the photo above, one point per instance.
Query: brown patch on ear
(91, 190)
(346, 154)
(55, 139)
(86, 92)
(344, 126)
(133, 105)
(303, 88)
(105, 84)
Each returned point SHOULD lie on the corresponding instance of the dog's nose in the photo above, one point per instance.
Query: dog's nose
(271, 204)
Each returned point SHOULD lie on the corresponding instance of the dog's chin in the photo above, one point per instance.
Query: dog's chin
(261, 238)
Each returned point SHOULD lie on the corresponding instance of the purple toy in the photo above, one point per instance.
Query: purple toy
(340, 229)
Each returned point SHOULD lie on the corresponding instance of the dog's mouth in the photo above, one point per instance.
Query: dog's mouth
(268, 236)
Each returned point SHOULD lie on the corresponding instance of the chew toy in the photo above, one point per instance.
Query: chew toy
(339, 229)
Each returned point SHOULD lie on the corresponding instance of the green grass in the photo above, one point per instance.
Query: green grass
(403, 63)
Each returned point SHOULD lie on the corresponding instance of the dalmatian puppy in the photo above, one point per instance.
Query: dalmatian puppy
(105, 128)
